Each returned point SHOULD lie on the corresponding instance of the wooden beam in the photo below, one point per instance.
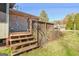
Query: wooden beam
(30, 25)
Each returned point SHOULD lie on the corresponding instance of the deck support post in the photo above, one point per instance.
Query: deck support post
(30, 26)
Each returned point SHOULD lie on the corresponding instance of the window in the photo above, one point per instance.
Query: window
(2, 12)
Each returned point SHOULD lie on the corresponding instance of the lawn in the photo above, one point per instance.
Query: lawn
(68, 45)
(5, 51)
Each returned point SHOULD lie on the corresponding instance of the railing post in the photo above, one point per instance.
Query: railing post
(46, 32)
(30, 25)
(37, 33)
(7, 42)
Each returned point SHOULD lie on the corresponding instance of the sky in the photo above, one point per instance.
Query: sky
(55, 11)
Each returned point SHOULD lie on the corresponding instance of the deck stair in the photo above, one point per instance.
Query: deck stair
(21, 42)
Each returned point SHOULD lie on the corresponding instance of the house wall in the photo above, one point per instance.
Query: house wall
(3, 30)
(3, 26)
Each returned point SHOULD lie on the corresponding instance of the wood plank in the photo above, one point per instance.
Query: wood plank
(18, 44)
(20, 34)
(3, 47)
(30, 26)
(21, 38)
(24, 49)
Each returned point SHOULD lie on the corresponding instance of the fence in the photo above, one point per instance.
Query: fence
(40, 31)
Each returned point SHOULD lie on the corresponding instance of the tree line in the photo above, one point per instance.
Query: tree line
(72, 21)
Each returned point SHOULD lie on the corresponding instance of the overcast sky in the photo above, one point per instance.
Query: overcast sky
(55, 11)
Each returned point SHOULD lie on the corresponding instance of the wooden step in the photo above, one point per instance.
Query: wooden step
(24, 49)
(20, 34)
(31, 37)
(27, 42)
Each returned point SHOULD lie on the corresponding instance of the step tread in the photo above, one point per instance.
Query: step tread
(27, 42)
(24, 49)
(21, 38)
(20, 34)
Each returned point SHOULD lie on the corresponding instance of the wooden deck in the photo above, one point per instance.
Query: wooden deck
(24, 41)
(22, 38)
(20, 42)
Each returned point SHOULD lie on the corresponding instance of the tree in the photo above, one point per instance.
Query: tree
(43, 16)
(69, 24)
(77, 21)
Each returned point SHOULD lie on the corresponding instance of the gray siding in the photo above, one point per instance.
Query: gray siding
(3, 26)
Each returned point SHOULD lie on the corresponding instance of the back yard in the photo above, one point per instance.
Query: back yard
(68, 45)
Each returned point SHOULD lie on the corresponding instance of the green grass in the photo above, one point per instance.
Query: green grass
(65, 46)
(5, 51)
